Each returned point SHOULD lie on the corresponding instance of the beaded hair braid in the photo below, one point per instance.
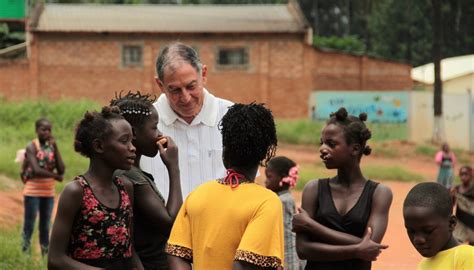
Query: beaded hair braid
(354, 128)
(134, 107)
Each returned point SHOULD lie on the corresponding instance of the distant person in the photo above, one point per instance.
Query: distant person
(344, 218)
(93, 226)
(464, 200)
(446, 160)
(43, 166)
(189, 114)
(232, 222)
(153, 218)
(427, 211)
(281, 175)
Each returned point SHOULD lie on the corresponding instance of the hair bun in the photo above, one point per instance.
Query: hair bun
(363, 117)
(341, 114)
(367, 150)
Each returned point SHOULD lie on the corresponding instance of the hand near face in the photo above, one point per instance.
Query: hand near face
(301, 220)
(367, 249)
(169, 155)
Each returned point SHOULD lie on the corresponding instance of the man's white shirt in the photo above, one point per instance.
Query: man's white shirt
(199, 144)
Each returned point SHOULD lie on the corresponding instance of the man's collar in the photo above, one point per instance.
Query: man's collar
(207, 115)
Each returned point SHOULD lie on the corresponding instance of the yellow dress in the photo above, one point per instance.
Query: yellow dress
(457, 258)
(218, 224)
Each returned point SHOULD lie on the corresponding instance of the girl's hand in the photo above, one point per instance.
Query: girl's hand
(52, 141)
(367, 249)
(301, 220)
(169, 156)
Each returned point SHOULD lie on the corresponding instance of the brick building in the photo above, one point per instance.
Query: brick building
(253, 52)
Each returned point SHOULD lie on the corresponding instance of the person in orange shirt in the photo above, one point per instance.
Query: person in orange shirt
(45, 166)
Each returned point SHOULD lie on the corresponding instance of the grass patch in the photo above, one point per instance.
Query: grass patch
(391, 173)
(305, 131)
(384, 151)
(11, 256)
(426, 150)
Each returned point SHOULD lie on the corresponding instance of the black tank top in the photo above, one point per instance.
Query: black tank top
(353, 222)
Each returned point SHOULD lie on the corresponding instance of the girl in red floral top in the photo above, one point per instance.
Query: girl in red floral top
(93, 224)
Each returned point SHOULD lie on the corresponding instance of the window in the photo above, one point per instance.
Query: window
(132, 55)
(232, 58)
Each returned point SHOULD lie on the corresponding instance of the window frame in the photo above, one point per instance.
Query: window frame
(127, 63)
(244, 66)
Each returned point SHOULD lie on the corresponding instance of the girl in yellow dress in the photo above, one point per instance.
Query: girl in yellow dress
(233, 223)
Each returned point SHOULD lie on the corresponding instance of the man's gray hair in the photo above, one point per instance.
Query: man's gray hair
(174, 54)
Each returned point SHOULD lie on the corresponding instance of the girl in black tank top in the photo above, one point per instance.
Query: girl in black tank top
(343, 219)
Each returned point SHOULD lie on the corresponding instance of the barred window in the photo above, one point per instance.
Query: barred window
(232, 57)
(132, 56)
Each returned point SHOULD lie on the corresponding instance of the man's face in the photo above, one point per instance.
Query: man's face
(184, 88)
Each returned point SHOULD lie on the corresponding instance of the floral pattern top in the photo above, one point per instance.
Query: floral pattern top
(100, 232)
(45, 157)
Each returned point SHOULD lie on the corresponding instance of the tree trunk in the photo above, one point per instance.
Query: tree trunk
(438, 128)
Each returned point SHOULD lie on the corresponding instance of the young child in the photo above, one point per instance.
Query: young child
(281, 174)
(427, 211)
(94, 218)
(44, 166)
(446, 160)
(152, 218)
(463, 196)
(233, 223)
(344, 218)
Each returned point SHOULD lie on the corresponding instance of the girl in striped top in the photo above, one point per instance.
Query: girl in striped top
(45, 166)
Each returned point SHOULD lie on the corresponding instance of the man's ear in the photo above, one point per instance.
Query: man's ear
(97, 146)
(160, 84)
(453, 220)
(204, 74)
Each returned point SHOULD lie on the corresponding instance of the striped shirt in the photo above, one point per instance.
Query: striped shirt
(199, 144)
(42, 187)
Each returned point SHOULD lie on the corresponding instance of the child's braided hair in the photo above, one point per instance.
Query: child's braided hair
(353, 127)
(248, 135)
(94, 125)
(134, 107)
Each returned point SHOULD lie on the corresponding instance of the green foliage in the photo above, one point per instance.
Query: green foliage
(426, 150)
(18, 120)
(350, 44)
(11, 256)
(8, 38)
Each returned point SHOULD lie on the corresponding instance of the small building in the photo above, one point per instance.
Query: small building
(457, 75)
(257, 53)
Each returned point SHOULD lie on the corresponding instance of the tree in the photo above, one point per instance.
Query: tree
(438, 128)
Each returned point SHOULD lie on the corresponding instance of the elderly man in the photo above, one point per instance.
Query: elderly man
(189, 114)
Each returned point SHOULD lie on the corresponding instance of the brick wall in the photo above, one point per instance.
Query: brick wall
(14, 79)
(282, 71)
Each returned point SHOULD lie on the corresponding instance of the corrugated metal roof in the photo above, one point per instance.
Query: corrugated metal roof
(452, 67)
(169, 18)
